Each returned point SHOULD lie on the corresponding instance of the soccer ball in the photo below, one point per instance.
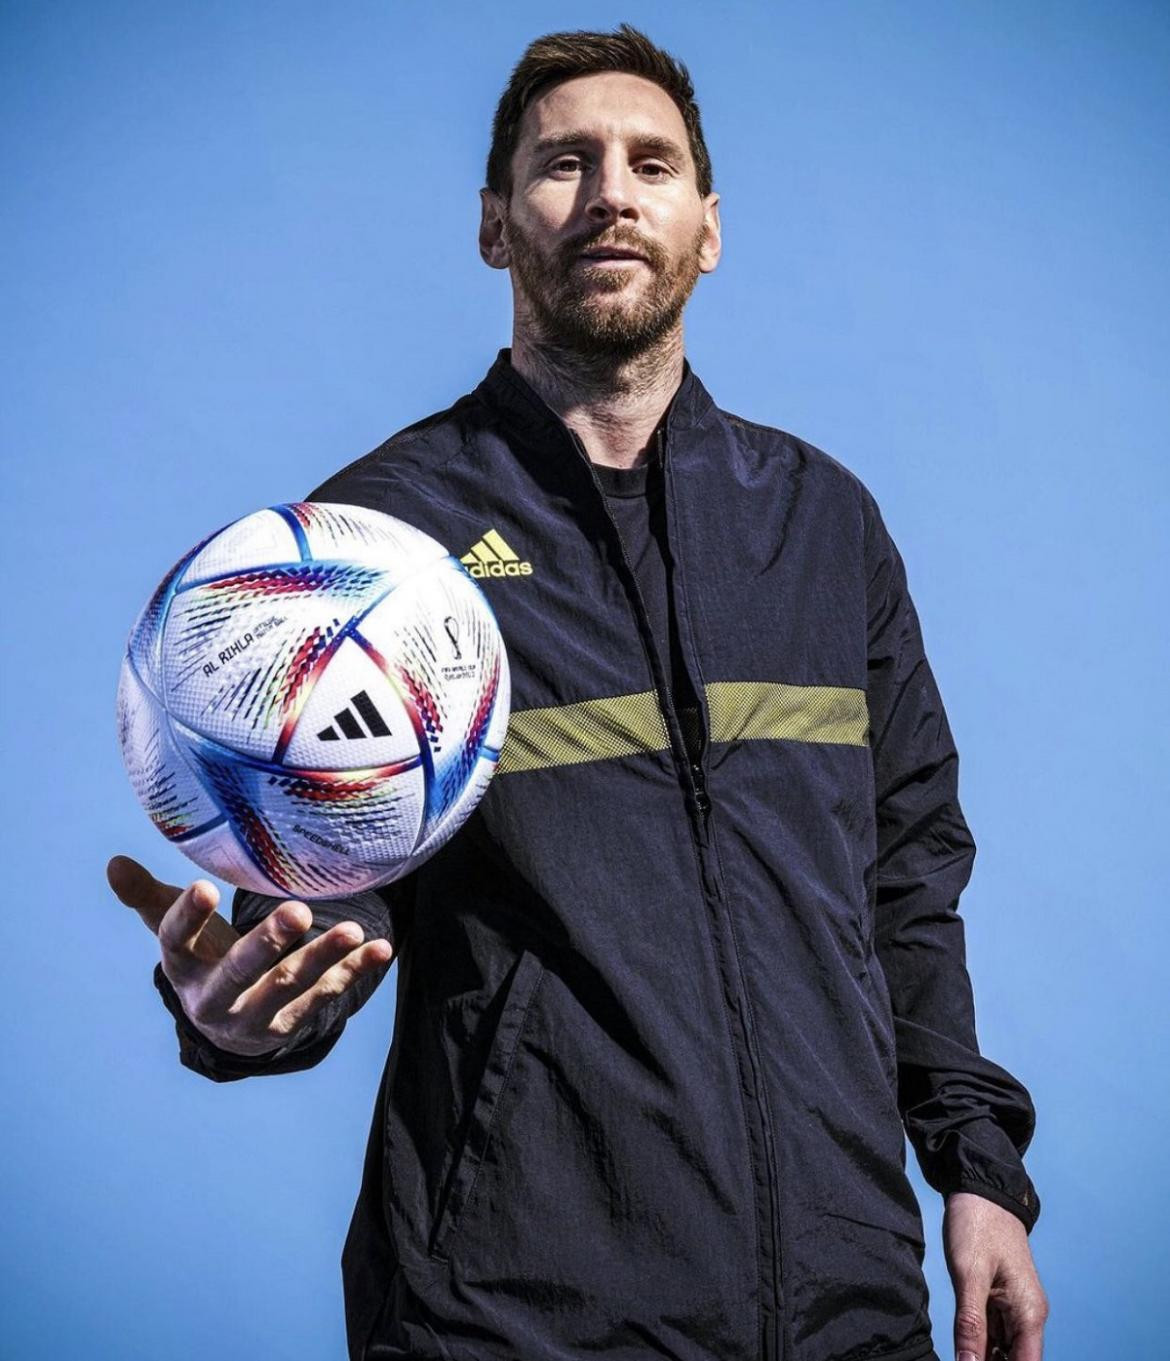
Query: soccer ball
(313, 701)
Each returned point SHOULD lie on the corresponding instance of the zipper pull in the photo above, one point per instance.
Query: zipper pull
(699, 789)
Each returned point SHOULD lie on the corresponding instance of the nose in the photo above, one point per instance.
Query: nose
(612, 194)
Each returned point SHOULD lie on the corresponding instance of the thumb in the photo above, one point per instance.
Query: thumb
(971, 1325)
(135, 886)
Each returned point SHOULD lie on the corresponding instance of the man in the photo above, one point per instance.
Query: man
(670, 1001)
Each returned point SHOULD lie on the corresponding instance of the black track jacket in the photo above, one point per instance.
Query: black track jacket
(662, 1025)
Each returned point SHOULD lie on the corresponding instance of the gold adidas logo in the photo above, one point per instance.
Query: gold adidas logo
(492, 557)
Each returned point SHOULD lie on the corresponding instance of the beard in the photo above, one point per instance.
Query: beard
(607, 316)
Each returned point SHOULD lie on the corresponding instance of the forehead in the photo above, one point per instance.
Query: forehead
(607, 105)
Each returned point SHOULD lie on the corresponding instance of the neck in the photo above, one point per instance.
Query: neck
(614, 406)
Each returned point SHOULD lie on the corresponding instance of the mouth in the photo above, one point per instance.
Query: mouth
(610, 257)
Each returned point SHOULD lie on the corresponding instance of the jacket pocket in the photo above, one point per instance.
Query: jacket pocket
(520, 987)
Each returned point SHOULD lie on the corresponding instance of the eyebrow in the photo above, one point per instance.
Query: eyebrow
(649, 141)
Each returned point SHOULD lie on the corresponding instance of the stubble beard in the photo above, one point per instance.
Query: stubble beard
(572, 308)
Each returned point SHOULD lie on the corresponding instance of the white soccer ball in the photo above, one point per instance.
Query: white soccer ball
(313, 701)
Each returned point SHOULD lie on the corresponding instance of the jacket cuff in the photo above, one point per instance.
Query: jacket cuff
(1027, 1214)
(979, 1156)
(199, 1054)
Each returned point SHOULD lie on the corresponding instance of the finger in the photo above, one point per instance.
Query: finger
(192, 932)
(1026, 1326)
(135, 886)
(253, 954)
(333, 981)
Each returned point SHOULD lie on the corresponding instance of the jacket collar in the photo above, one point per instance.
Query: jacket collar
(520, 406)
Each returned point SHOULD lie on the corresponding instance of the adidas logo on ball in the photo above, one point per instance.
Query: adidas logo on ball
(349, 725)
(491, 557)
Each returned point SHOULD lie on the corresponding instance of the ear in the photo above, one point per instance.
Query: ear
(713, 245)
(492, 246)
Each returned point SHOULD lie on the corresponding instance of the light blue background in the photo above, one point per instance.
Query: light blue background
(239, 251)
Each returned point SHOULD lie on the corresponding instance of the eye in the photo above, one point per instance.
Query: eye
(656, 170)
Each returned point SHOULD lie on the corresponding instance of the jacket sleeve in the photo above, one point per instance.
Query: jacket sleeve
(384, 912)
(969, 1120)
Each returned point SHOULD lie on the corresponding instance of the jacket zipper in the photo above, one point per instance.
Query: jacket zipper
(699, 806)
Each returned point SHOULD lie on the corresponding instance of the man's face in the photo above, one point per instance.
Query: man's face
(603, 160)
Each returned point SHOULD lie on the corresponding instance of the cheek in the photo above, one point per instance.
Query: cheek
(678, 235)
(538, 240)
(548, 214)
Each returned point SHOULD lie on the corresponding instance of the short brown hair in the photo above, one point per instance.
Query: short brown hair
(561, 56)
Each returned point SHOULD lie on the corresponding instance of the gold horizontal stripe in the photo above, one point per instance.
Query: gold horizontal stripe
(593, 730)
(801, 713)
(623, 725)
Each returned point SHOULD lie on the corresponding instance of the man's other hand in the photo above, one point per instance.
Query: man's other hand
(1000, 1305)
(243, 992)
